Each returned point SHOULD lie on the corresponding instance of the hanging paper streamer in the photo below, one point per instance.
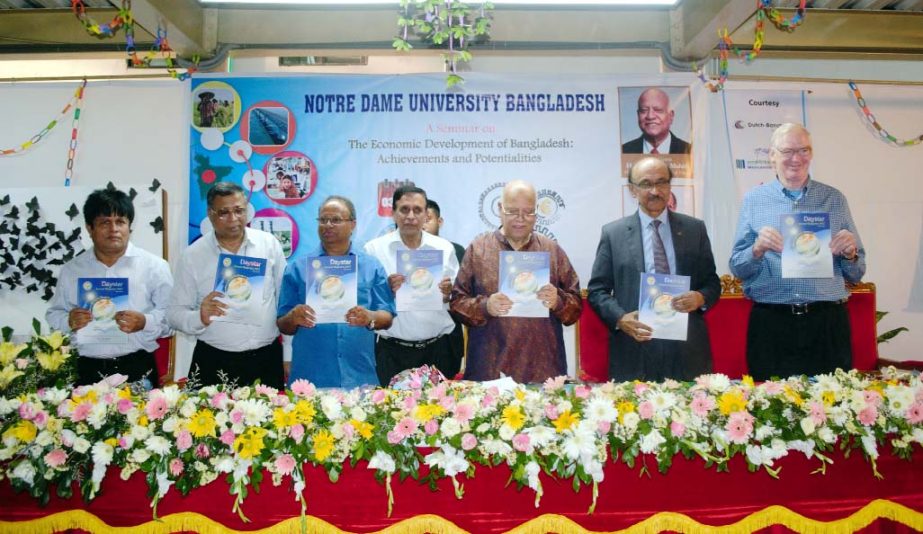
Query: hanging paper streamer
(72, 149)
(764, 11)
(35, 139)
(875, 124)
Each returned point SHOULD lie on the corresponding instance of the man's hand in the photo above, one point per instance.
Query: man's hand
(445, 286)
(359, 316)
(130, 321)
(768, 239)
(638, 331)
(303, 315)
(211, 307)
(395, 281)
(286, 371)
(498, 304)
(688, 302)
(77, 318)
(548, 294)
(844, 244)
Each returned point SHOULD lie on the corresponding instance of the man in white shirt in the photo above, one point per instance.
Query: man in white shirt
(242, 349)
(416, 337)
(109, 214)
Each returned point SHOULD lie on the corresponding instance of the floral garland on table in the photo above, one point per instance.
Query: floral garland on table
(181, 440)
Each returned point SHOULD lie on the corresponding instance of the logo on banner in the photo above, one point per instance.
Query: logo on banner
(386, 190)
(489, 205)
(549, 206)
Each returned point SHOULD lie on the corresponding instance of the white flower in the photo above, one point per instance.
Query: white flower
(663, 401)
(97, 416)
(764, 432)
(450, 460)
(631, 420)
(899, 399)
(594, 468)
(24, 471)
(870, 446)
(163, 483)
(169, 424)
(81, 445)
(139, 456)
(224, 464)
(532, 471)
(716, 383)
(139, 433)
(255, 412)
(382, 462)
(495, 446)
(358, 413)
(807, 426)
(827, 435)
(918, 435)
(189, 408)
(601, 410)
(102, 453)
(651, 441)
(44, 438)
(580, 444)
(483, 428)
(755, 455)
(331, 407)
(506, 432)
(221, 418)
(540, 436)
(802, 446)
(172, 394)
(6, 406)
(158, 445)
(450, 427)
(55, 396)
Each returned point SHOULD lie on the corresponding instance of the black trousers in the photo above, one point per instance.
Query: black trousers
(449, 361)
(391, 357)
(245, 367)
(135, 365)
(782, 344)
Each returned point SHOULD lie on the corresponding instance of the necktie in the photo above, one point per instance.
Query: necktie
(654, 150)
(661, 265)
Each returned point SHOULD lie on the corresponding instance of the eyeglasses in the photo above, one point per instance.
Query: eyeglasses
(522, 214)
(226, 214)
(648, 186)
(324, 221)
(804, 152)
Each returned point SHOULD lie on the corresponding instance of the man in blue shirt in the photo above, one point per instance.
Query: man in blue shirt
(336, 354)
(797, 325)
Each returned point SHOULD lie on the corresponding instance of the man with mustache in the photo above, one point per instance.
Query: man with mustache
(655, 117)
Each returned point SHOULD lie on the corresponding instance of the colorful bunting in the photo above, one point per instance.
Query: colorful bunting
(875, 124)
(35, 139)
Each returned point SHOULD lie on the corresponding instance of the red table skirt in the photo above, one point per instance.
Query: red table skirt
(845, 499)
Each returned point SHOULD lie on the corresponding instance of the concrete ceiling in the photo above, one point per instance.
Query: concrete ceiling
(682, 34)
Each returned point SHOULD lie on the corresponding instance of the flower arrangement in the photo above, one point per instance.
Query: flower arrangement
(40, 362)
(431, 429)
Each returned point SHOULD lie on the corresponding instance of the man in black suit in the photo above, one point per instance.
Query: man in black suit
(654, 119)
(638, 243)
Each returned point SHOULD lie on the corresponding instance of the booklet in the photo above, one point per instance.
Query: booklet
(806, 245)
(522, 274)
(655, 305)
(240, 279)
(422, 270)
(332, 287)
(103, 297)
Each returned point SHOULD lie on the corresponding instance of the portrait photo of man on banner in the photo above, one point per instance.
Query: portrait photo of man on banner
(656, 121)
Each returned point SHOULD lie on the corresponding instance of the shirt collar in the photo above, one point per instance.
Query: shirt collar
(646, 219)
(248, 239)
(502, 238)
(663, 148)
(777, 185)
(319, 251)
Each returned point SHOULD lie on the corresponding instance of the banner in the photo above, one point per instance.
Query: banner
(292, 141)
(751, 117)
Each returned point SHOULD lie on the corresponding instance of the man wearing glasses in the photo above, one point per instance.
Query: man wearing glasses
(797, 325)
(653, 240)
(243, 350)
(527, 349)
(336, 354)
(416, 337)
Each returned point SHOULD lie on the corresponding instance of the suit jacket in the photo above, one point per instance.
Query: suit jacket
(614, 291)
(677, 146)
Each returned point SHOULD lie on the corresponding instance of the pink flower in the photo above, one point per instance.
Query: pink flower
(677, 429)
(406, 427)
(489, 400)
(646, 410)
(914, 413)
(296, 432)
(603, 427)
(227, 437)
(739, 427)
(438, 392)
(464, 412)
(123, 443)
(237, 416)
(554, 384)
(411, 401)
(285, 464)
(348, 431)
(56, 458)
(124, 406)
(447, 403)
(468, 441)
(81, 412)
(521, 442)
(431, 427)
(62, 410)
(551, 411)
(184, 440)
(263, 389)
(156, 408)
(582, 392)
(303, 388)
(219, 399)
(201, 451)
(378, 396)
(872, 397)
(21, 363)
(176, 467)
(280, 400)
(868, 415)
(818, 415)
(27, 411)
(641, 387)
(109, 397)
(41, 417)
(394, 437)
(701, 405)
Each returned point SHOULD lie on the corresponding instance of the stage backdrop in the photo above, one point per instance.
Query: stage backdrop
(292, 141)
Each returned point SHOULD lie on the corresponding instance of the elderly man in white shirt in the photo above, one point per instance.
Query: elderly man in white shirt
(229, 347)
(416, 337)
(108, 214)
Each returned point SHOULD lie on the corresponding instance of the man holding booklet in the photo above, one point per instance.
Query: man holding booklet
(421, 268)
(227, 286)
(113, 297)
(653, 277)
(333, 300)
(796, 245)
(515, 289)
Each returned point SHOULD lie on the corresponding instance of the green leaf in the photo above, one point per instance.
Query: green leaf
(453, 79)
(879, 315)
(7, 333)
(37, 326)
(887, 336)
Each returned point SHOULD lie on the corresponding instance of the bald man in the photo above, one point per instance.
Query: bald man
(527, 349)
(626, 249)
(655, 117)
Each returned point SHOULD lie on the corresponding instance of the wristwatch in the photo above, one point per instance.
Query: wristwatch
(371, 325)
